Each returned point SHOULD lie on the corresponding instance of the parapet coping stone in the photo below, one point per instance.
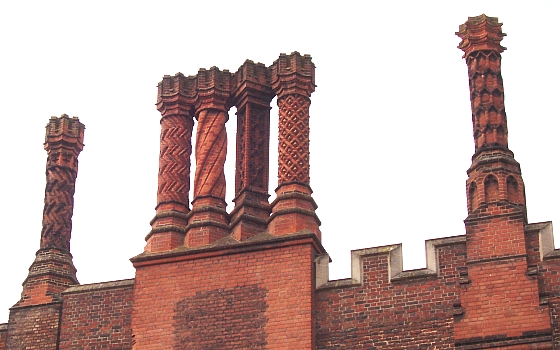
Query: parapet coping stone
(100, 286)
(395, 263)
(546, 239)
(3, 327)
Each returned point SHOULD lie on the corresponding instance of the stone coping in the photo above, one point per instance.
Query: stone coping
(395, 263)
(100, 286)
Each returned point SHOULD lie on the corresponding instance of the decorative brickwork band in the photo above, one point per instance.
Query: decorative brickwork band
(293, 80)
(252, 95)
(174, 164)
(53, 270)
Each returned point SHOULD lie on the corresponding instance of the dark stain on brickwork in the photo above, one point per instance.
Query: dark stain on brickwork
(231, 318)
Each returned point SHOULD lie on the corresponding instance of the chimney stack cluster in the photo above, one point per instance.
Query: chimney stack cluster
(207, 97)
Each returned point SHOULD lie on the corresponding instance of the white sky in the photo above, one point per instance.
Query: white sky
(391, 132)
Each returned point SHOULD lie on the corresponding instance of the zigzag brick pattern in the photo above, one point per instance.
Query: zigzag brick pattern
(175, 159)
(487, 99)
(59, 205)
(293, 139)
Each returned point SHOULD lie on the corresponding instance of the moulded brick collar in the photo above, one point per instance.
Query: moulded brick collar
(481, 33)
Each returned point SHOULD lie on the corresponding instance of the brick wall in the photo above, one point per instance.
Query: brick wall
(410, 310)
(3, 334)
(34, 327)
(248, 296)
(97, 316)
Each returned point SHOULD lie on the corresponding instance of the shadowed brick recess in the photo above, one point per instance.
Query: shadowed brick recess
(257, 277)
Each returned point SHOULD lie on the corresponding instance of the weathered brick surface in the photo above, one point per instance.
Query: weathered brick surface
(414, 313)
(3, 334)
(260, 298)
(223, 318)
(501, 300)
(97, 316)
(34, 327)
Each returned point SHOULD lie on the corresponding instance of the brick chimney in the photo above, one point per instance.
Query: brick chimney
(209, 220)
(53, 270)
(35, 318)
(252, 95)
(495, 186)
(174, 102)
(293, 210)
(498, 281)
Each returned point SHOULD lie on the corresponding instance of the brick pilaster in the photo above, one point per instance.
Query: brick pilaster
(500, 290)
(251, 95)
(175, 105)
(209, 221)
(293, 210)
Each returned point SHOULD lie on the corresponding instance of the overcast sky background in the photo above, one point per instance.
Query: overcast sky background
(391, 132)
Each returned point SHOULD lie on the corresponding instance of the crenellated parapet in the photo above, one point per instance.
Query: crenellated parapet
(392, 271)
(383, 306)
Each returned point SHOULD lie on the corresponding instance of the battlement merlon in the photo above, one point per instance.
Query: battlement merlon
(395, 258)
(394, 263)
(481, 33)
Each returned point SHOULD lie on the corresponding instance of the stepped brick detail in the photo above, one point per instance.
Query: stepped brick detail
(257, 277)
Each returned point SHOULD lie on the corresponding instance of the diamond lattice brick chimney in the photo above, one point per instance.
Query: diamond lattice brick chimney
(293, 210)
(53, 270)
(495, 226)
